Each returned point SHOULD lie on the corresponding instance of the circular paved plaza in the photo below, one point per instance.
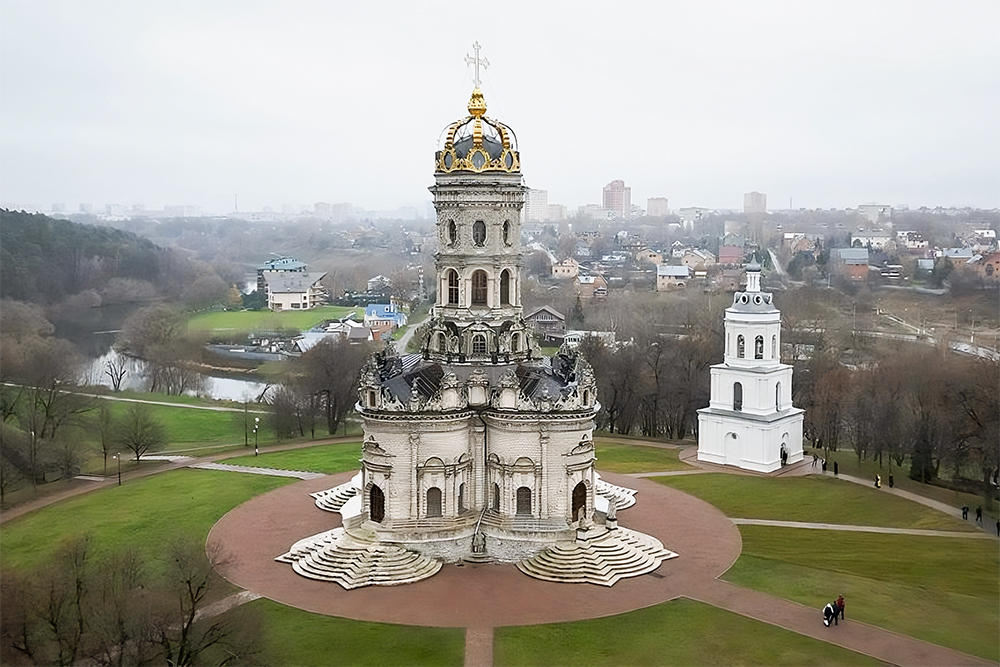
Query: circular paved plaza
(474, 595)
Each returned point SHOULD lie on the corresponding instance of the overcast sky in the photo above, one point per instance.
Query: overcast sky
(829, 104)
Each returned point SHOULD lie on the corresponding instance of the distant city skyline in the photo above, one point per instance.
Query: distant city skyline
(826, 104)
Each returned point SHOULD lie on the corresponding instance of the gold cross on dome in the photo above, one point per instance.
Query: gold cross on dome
(478, 62)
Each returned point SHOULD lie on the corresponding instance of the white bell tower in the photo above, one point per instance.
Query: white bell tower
(750, 420)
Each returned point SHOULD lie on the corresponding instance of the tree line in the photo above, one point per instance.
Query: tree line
(121, 608)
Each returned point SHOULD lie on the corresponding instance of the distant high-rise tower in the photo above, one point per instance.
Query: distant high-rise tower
(617, 199)
(536, 205)
(656, 207)
(755, 202)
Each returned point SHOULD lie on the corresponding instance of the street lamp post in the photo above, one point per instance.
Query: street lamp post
(118, 457)
(256, 427)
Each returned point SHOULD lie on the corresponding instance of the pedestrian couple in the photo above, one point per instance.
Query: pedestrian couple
(833, 611)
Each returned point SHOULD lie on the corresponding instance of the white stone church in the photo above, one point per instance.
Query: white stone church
(750, 421)
(477, 447)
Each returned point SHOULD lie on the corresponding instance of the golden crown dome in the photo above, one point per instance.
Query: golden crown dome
(478, 144)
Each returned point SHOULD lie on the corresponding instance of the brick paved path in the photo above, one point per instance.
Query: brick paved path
(482, 597)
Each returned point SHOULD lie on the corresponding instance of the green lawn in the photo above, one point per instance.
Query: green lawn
(620, 458)
(813, 498)
(327, 459)
(250, 321)
(144, 513)
(191, 425)
(296, 637)
(941, 590)
(680, 632)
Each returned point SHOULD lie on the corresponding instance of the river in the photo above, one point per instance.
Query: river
(93, 331)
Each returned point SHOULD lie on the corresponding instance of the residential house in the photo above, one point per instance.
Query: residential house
(384, 316)
(568, 268)
(672, 277)
(575, 337)
(591, 287)
(294, 290)
(851, 263)
(547, 322)
(280, 265)
(987, 265)
(647, 255)
(730, 255)
(697, 258)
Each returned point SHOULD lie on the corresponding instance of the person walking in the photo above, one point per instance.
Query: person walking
(890, 481)
(878, 481)
(965, 512)
(979, 515)
(834, 467)
(840, 607)
(830, 614)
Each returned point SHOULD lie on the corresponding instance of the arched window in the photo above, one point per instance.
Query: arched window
(433, 501)
(524, 500)
(452, 232)
(376, 504)
(479, 344)
(479, 288)
(758, 347)
(461, 497)
(777, 396)
(505, 287)
(737, 396)
(506, 232)
(439, 344)
(479, 233)
(774, 347)
(496, 497)
(586, 397)
(740, 347)
(515, 342)
(452, 287)
(372, 398)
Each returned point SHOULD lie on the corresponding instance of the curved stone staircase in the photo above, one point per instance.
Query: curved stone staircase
(600, 556)
(623, 497)
(333, 499)
(336, 556)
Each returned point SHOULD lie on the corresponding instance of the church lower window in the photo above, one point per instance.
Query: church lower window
(515, 343)
(737, 396)
(740, 347)
(479, 344)
(433, 501)
(758, 347)
(479, 288)
(496, 498)
(452, 232)
(479, 233)
(461, 497)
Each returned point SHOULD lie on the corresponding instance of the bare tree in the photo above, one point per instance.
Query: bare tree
(139, 431)
(185, 635)
(116, 367)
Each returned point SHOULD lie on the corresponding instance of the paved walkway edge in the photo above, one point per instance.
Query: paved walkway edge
(878, 643)
(859, 529)
(479, 647)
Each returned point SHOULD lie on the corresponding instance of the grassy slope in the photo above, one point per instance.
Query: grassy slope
(681, 632)
(942, 590)
(265, 320)
(296, 637)
(816, 499)
(327, 459)
(620, 458)
(144, 513)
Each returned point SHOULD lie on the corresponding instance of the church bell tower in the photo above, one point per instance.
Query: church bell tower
(750, 421)
(478, 196)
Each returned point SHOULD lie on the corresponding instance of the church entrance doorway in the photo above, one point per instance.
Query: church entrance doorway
(376, 504)
(579, 501)
(733, 453)
(523, 500)
(433, 501)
